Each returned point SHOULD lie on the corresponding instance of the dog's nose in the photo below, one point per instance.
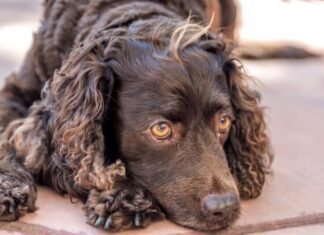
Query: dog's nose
(220, 205)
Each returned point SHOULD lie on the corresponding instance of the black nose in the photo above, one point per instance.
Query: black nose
(220, 205)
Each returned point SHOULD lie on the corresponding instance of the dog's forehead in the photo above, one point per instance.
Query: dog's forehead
(169, 88)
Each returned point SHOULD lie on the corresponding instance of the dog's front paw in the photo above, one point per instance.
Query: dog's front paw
(16, 197)
(124, 209)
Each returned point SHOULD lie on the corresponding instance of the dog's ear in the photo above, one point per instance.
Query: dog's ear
(248, 147)
(79, 95)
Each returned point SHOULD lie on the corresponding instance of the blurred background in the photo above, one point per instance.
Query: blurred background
(292, 90)
(260, 21)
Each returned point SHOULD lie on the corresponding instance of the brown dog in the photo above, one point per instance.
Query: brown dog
(136, 109)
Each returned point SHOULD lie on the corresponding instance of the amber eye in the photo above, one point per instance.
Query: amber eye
(161, 130)
(224, 123)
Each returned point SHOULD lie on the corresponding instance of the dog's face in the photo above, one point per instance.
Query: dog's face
(173, 120)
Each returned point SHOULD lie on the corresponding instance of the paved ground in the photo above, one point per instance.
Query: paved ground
(292, 202)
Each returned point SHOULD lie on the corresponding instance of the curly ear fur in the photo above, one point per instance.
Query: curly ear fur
(67, 125)
(248, 147)
(80, 92)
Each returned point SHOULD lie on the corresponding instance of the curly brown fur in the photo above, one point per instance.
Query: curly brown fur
(108, 71)
(18, 189)
(247, 148)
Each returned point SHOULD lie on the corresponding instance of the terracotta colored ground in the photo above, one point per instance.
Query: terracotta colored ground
(292, 201)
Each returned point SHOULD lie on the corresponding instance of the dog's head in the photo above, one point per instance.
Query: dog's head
(173, 107)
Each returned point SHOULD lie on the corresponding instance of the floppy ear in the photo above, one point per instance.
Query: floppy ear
(79, 95)
(248, 147)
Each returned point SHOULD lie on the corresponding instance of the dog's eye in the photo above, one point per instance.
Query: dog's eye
(224, 123)
(161, 130)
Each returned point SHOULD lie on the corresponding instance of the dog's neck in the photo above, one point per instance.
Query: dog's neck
(118, 14)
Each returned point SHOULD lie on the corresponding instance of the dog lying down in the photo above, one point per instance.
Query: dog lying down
(136, 109)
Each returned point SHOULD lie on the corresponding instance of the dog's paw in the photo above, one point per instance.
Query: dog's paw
(116, 211)
(16, 197)
(122, 220)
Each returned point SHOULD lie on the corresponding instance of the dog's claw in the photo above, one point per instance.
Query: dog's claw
(137, 220)
(99, 221)
(108, 223)
(11, 208)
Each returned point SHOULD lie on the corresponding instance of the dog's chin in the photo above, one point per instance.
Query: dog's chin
(208, 224)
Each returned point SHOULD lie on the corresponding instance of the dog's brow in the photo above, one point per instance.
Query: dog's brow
(174, 112)
(221, 101)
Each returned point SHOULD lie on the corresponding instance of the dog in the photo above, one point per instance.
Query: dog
(139, 109)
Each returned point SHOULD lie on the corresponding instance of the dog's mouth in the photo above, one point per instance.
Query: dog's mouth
(208, 223)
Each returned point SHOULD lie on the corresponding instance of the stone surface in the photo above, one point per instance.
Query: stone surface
(313, 230)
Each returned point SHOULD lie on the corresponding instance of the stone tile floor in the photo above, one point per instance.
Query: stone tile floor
(292, 201)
